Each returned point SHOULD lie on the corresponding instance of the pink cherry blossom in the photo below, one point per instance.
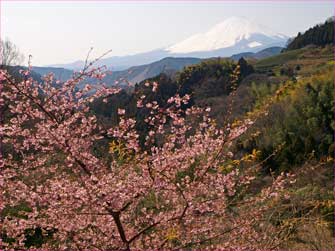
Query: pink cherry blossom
(169, 194)
(121, 111)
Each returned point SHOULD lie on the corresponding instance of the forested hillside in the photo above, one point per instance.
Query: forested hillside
(320, 35)
(291, 97)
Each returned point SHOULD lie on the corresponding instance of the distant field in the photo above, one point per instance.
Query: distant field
(278, 59)
(304, 57)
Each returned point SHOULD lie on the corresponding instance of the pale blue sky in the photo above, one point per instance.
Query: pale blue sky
(63, 31)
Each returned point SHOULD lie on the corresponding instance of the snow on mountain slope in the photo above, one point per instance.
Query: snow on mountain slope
(227, 34)
(234, 35)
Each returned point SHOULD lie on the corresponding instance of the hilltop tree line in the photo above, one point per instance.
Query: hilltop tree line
(320, 35)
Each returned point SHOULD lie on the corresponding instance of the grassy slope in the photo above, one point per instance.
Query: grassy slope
(313, 192)
(310, 59)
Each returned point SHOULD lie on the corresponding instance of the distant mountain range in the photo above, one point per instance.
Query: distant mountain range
(137, 74)
(61, 74)
(268, 52)
(233, 35)
(168, 65)
(133, 75)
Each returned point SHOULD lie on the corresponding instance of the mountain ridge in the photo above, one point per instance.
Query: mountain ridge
(138, 73)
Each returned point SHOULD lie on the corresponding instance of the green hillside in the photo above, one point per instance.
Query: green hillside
(319, 35)
(291, 95)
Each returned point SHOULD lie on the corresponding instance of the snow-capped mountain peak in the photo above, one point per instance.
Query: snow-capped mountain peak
(228, 34)
(233, 36)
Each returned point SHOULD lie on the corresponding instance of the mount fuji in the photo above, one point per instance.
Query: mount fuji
(233, 35)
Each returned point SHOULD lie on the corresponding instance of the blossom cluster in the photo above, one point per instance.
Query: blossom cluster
(171, 194)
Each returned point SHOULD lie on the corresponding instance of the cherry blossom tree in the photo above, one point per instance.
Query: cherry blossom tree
(171, 193)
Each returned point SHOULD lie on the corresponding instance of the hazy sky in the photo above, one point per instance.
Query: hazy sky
(63, 31)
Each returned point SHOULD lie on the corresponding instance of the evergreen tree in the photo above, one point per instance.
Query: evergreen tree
(318, 35)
